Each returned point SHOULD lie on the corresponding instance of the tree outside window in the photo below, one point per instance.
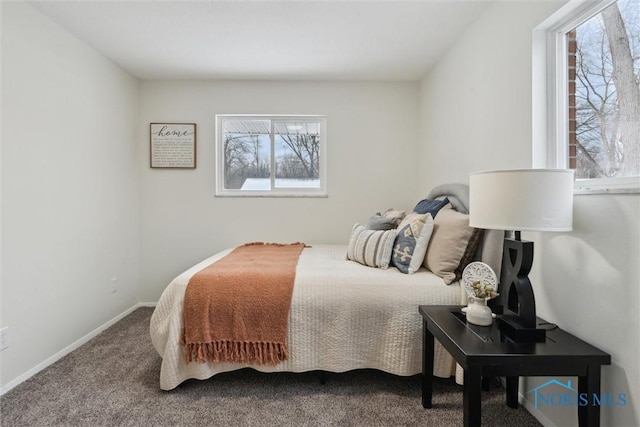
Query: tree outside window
(270, 155)
(604, 93)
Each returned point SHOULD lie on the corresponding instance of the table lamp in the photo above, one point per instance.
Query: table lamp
(520, 200)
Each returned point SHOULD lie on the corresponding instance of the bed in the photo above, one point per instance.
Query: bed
(343, 316)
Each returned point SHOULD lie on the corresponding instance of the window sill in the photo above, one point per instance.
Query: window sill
(263, 195)
(586, 189)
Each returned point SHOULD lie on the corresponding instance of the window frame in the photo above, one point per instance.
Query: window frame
(321, 191)
(550, 101)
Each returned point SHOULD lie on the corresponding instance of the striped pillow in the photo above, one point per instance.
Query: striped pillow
(371, 247)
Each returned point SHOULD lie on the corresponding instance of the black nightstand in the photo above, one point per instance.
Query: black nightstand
(482, 351)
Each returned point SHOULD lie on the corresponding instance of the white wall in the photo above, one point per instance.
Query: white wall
(70, 217)
(475, 114)
(372, 141)
(590, 286)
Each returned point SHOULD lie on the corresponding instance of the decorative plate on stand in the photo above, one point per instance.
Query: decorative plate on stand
(478, 272)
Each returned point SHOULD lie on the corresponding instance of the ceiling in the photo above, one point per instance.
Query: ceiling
(289, 39)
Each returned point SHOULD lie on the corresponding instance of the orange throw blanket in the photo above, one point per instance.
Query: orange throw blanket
(237, 309)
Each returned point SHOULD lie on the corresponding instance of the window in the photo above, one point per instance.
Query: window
(592, 99)
(270, 155)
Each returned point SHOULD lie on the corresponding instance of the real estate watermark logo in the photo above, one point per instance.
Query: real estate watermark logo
(569, 396)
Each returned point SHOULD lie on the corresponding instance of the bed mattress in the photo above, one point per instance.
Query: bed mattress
(343, 316)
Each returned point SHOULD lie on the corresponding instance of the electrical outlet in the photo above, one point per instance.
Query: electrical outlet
(114, 288)
(4, 338)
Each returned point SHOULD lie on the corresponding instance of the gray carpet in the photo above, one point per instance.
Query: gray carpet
(113, 381)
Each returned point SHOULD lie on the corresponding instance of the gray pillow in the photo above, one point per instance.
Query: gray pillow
(386, 220)
(379, 222)
(458, 195)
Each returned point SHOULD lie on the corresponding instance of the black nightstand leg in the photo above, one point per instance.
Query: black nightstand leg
(589, 415)
(512, 392)
(472, 395)
(427, 365)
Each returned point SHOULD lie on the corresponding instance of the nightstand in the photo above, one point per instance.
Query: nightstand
(483, 351)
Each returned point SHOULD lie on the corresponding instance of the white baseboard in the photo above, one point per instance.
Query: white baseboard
(529, 406)
(59, 355)
(147, 304)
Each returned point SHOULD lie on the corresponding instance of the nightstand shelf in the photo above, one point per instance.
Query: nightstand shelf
(482, 351)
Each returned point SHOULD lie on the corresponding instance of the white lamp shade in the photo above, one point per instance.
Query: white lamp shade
(522, 200)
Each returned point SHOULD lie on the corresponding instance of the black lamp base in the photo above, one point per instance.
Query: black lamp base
(511, 327)
(518, 320)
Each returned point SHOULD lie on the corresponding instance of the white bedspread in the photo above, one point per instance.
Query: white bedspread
(343, 316)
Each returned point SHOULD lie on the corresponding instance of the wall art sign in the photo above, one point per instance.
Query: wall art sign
(173, 145)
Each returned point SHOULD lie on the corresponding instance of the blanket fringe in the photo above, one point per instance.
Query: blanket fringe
(261, 353)
(274, 244)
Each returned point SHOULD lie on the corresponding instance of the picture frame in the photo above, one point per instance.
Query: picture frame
(172, 145)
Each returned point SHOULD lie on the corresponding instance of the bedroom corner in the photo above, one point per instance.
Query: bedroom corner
(586, 281)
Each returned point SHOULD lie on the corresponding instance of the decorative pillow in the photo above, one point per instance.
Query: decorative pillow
(396, 214)
(379, 222)
(385, 221)
(371, 247)
(430, 206)
(411, 242)
(469, 253)
(451, 235)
